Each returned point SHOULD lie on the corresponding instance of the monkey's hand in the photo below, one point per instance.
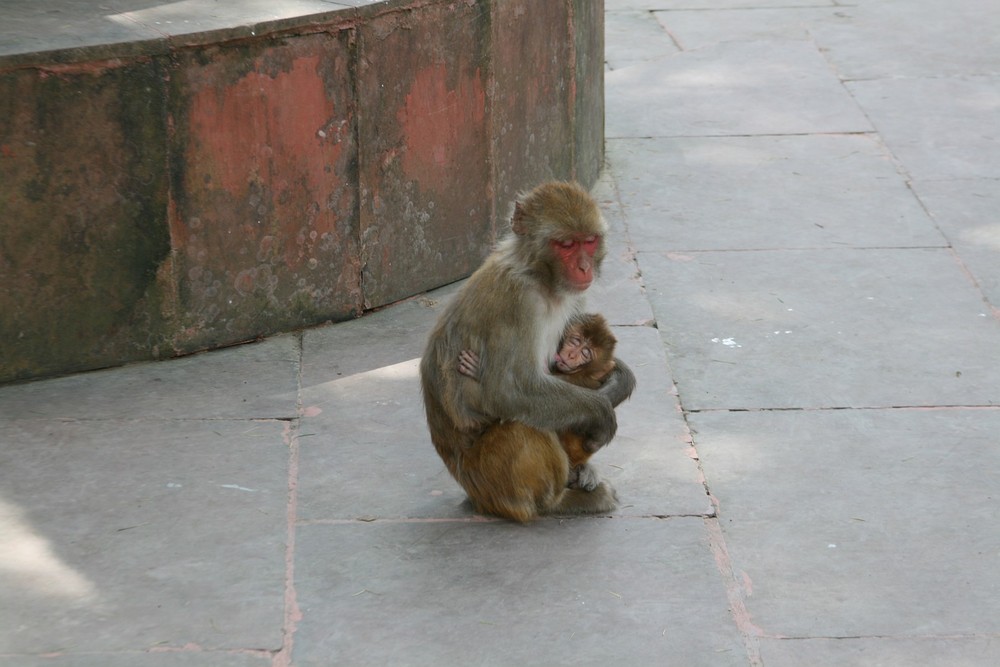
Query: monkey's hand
(599, 432)
(617, 387)
(468, 364)
(619, 384)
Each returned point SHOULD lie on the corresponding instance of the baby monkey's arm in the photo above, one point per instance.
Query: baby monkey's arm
(468, 364)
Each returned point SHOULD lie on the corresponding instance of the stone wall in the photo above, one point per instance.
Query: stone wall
(161, 199)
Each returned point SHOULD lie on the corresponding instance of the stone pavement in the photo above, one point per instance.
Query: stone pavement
(805, 273)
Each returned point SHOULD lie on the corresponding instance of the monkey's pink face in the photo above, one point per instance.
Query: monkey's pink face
(576, 256)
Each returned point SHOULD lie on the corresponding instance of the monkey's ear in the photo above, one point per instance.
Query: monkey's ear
(517, 220)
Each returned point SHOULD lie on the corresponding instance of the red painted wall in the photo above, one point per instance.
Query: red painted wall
(216, 189)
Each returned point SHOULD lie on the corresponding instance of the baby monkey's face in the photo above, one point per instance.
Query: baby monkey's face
(574, 353)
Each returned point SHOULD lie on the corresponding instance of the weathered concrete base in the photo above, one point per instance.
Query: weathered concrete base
(193, 191)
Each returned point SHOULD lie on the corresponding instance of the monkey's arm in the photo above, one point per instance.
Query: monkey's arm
(619, 384)
(546, 403)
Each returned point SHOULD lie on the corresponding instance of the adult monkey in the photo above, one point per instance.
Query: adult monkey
(512, 312)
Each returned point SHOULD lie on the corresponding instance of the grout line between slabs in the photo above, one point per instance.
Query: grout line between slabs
(292, 613)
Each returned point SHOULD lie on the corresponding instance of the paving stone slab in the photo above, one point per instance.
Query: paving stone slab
(632, 37)
(968, 212)
(864, 41)
(881, 651)
(649, 462)
(657, 5)
(698, 28)
(823, 329)
(364, 450)
(718, 193)
(860, 523)
(573, 592)
(247, 381)
(186, 658)
(738, 88)
(882, 40)
(617, 293)
(137, 535)
(939, 129)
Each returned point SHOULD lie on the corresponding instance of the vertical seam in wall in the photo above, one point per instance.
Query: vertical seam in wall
(571, 92)
(490, 112)
(173, 288)
(356, 49)
(602, 73)
(354, 71)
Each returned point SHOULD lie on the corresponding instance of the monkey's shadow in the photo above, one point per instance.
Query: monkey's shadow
(364, 448)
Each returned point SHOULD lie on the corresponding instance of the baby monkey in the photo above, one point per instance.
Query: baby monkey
(585, 357)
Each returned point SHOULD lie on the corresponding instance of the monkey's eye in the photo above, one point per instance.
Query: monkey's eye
(567, 244)
(587, 353)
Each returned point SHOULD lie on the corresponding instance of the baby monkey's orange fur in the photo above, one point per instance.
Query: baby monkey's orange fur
(586, 356)
(593, 331)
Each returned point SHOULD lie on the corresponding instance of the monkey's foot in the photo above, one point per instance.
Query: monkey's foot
(583, 477)
(577, 501)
